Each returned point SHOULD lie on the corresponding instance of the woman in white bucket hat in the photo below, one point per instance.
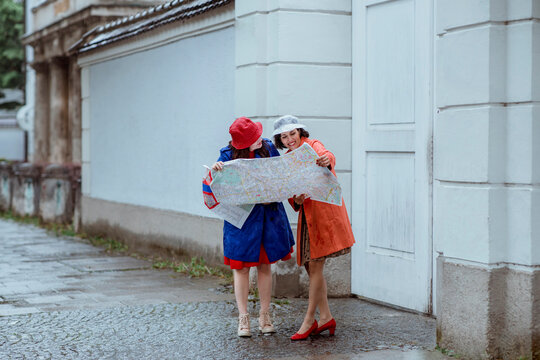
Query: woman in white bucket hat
(324, 230)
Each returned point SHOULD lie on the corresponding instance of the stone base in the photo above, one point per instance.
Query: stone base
(5, 191)
(488, 313)
(59, 185)
(152, 231)
(26, 189)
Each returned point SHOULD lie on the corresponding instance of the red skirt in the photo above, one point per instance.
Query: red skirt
(263, 259)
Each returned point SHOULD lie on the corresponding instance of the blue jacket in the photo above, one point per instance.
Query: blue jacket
(266, 223)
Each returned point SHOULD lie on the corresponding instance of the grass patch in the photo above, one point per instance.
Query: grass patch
(9, 215)
(253, 294)
(448, 352)
(281, 301)
(196, 267)
(62, 229)
(109, 244)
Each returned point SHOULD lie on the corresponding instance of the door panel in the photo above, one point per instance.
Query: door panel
(390, 60)
(392, 127)
(390, 203)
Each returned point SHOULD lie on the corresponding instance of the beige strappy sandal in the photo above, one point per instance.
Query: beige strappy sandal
(265, 323)
(244, 329)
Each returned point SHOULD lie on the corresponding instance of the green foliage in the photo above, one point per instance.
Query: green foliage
(447, 352)
(22, 219)
(11, 48)
(281, 301)
(195, 268)
(109, 244)
(253, 294)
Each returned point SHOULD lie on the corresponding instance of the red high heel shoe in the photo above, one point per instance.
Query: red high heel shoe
(330, 326)
(305, 335)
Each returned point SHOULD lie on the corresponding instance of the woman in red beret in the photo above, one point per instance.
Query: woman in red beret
(266, 235)
(324, 230)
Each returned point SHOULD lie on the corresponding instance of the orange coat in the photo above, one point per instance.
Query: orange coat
(328, 225)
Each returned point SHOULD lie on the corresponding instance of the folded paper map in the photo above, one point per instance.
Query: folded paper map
(274, 179)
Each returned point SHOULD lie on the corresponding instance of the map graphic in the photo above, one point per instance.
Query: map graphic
(253, 181)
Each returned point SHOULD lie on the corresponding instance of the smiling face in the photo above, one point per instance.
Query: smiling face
(291, 139)
(256, 145)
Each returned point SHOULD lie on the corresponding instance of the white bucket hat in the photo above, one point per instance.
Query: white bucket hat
(286, 123)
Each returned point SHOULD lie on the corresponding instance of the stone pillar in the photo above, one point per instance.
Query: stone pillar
(75, 110)
(486, 222)
(58, 114)
(41, 113)
(298, 61)
(59, 189)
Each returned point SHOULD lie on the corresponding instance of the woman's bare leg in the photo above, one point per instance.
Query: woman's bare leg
(241, 289)
(324, 310)
(264, 283)
(317, 295)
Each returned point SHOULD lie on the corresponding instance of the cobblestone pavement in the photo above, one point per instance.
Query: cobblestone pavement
(61, 298)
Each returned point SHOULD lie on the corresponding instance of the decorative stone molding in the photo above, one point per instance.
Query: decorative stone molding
(26, 188)
(59, 184)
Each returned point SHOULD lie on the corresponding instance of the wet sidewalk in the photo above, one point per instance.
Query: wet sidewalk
(62, 298)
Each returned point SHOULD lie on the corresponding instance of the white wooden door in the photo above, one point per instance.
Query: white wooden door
(392, 127)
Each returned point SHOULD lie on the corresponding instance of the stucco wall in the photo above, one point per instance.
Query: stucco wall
(155, 117)
(486, 176)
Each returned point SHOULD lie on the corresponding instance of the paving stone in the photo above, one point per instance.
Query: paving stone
(64, 300)
(8, 309)
(107, 264)
(47, 299)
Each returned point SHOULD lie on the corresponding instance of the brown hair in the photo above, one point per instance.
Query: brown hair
(277, 138)
(263, 151)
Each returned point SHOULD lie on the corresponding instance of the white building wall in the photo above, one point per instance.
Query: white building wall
(153, 118)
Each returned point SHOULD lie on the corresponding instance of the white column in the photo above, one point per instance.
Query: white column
(294, 57)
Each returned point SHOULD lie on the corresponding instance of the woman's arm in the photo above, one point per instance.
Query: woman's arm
(224, 155)
(294, 205)
(326, 158)
(218, 166)
(297, 201)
